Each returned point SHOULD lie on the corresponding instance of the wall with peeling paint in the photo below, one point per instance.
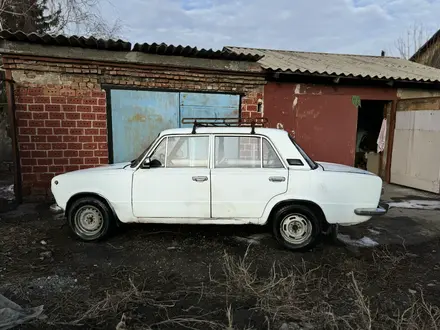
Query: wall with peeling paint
(322, 118)
(405, 93)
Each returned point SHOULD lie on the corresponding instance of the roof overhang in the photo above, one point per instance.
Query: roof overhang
(87, 55)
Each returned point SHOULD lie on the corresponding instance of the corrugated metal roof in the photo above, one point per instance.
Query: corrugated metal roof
(362, 66)
(120, 45)
(72, 41)
(188, 51)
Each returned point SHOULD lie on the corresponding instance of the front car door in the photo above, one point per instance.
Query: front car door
(178, 183)
(246, 174)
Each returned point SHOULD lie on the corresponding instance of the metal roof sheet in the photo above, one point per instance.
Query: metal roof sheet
(120, 45)
(362, 66)
(188, 51)
(72, 41)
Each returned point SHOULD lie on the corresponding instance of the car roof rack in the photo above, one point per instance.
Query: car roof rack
(226, 122)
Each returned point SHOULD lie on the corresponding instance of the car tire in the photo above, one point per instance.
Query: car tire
(296, 227)
(90, 219)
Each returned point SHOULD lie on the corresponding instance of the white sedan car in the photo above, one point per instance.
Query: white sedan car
(221, 175)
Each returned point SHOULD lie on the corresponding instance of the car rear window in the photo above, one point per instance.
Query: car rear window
(313, 165)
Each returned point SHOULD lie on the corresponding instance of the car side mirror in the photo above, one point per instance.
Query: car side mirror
(146, 163)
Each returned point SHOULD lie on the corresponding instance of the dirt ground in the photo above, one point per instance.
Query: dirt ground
(216, 277)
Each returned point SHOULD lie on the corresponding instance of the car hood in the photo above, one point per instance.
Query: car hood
(101, 168)
(332, 167)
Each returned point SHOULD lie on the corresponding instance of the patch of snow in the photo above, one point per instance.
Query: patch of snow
(55, 208)
(54, 283)
(363, 242)
(373, 231)
(416, 204)
(259, 237)
(252, 239)
(246, 240)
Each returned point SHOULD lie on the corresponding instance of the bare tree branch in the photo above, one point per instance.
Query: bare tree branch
(81, 17)
(84, 18)
(407, 44)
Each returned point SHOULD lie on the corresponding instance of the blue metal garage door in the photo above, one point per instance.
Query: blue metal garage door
(139, 116)
(201, 105)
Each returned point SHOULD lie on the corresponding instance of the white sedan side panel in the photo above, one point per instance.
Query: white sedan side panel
(337, 193)
(338, 190)
(244, 192)
(172, 193)
(111, 182)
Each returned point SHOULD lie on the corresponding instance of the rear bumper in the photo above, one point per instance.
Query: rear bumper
(379, 210)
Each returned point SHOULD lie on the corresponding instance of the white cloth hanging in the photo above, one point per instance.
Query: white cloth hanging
(382, 136)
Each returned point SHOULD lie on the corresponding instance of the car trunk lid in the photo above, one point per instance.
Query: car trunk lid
(332, 167)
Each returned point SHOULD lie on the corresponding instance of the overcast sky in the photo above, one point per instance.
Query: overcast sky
(341, 26)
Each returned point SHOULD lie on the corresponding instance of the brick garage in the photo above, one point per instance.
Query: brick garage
(59, 99)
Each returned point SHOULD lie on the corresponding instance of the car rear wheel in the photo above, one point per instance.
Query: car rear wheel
(90, 219)
(296, 227)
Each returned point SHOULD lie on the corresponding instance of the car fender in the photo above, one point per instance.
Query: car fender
(291, 198)
(93, 194)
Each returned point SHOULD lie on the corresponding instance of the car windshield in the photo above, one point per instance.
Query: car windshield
(313, 165)
(135, 162)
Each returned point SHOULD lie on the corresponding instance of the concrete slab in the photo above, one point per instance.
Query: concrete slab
(394, 192)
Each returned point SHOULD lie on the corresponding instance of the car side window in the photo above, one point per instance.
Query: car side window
(187, 151)
(158, 156)
(237, 152)
(270, 157)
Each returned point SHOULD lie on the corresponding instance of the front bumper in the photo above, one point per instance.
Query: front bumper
(381, 209)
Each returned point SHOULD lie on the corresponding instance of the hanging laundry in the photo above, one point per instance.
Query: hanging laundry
(382, 136)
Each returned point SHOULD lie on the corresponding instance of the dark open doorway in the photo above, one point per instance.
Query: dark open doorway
(370, 117)
(6, 158)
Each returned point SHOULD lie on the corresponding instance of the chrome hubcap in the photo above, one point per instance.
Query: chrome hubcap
(89, 220)
(295, 229)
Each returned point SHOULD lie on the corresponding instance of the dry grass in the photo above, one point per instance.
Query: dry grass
(121, 301)
(419, 316)
(305, 296)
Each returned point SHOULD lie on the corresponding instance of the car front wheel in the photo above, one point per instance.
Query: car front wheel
(296, 227)
(90, 219)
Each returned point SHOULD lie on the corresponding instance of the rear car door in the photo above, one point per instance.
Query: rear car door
(246, 174)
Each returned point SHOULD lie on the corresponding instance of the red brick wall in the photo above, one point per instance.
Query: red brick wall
(61, 110)
(59, 130)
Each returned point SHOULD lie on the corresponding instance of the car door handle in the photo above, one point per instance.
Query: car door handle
(200, 178)
(277, 179)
